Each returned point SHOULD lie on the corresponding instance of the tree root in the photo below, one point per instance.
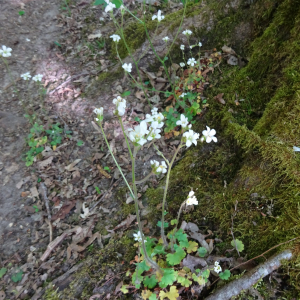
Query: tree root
(245, 282)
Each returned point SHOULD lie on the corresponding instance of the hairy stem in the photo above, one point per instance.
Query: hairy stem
(162, 229)
(144, 179)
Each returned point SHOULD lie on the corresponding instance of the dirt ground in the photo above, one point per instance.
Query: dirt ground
(70, 99)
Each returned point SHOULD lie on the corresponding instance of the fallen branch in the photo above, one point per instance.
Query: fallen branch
(235, 287)
(43, 191)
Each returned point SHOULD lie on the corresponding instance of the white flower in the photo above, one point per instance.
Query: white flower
(115, 37)
(191, 62)
(127, 67)
(154, 163)
(154, 110)
(182, 64)
(138, 134)
(191, 47)
(209, 135)
(182, 95)
(191, 201)
(98, 111)
(155, 119)
(159, 16)
(86, 211)
(28, 40)
(110, 6)
(187, 32)
(154, 134)
(217, 267)
(191, 137)
(5, 51)
(296, 149)
(120, 106)
(182, 47)
(200, 44)
(138, 237)
(162, 167)
(183, 121)
(37, 77)
(26, 76)
(165, 39)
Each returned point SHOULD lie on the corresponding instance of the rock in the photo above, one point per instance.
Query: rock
(232, 60)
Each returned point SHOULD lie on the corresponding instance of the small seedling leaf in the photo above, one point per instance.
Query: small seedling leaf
(126, 93)
(21, 12)
(2, 272)
(79, 143)
(17, 276)
(202, 251)
(225, 275)
(239, 245)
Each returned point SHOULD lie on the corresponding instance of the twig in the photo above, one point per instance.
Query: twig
(43, 190)
(235, 287)
(264, 253)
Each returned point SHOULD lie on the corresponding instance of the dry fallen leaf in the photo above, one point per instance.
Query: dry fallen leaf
(220, 99)
(103, 172)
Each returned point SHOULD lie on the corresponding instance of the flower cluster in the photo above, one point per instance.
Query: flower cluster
(191, 62)
(120, 104)
(138, 134)
(138, 237)
(115, 38)
(127, 67)
(5, 51)
(26, 76)
(158, 168)
(187, 32)
(159, 16)
(36, 78)
(166, 38)
(99, 113)
(182, 47)
(191, 200)
(110, 6)
(217, 267)
(156, 119)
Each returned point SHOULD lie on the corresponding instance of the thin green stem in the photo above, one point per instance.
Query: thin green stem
(144, 179)
(106, 141)
(179, 28)
(160, 153)
(125, 135)
(162, 229)
(130, 54)
(175, 229)
(152, 263)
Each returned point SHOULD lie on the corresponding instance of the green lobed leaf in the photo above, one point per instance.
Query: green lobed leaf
(184, 281)
(166, 224)
(123, 289)
(168, 278)
(239, 245)
(173, 222)
(177, 257)
(225, 275)
(142, 266)
(137, 278)
(17, 276)
(159, 249)
(152, 297)
(150, 282)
